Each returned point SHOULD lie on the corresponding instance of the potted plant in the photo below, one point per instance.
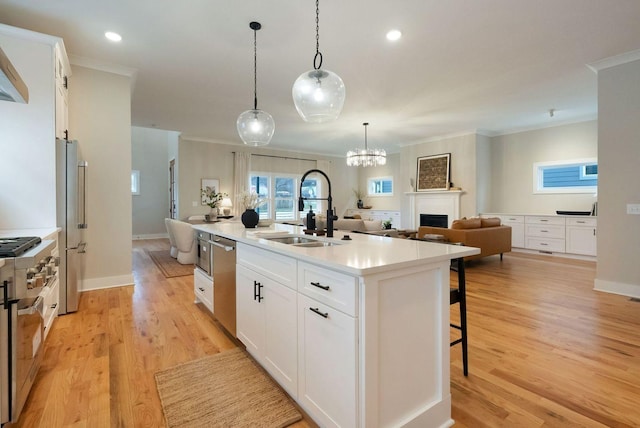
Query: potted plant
(212, 198)
(359, 196)
(250, 201)
(387, 224)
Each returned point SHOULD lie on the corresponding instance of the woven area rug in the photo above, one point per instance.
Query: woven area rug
(168, 265)
(223, 390)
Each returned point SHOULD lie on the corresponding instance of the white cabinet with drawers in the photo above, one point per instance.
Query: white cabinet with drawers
(544, 233)
(552, 233)
(382, 215)
(327, 345)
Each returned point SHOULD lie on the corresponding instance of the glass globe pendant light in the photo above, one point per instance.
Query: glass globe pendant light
(255, 127)
(318, 94)
(366, 157)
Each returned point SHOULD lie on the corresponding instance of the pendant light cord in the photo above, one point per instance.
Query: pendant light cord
(255, 70)
(365, 135)
(318, 55)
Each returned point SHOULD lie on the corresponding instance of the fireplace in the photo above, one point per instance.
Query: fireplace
(446, 202)
(434, 220)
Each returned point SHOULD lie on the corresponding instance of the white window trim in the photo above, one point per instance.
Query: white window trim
(272, 197)
(135, 182)
(379, 195)
(537, 177)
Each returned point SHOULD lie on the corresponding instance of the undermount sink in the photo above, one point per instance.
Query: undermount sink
(301, 241)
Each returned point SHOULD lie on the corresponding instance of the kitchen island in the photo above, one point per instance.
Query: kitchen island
(356, 331)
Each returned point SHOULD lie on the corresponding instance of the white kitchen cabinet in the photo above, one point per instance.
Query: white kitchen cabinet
(266, 322)
(327, 349)
(203, 288)
(32, 128)
(62, 93)
(581, 236)
(327, 344)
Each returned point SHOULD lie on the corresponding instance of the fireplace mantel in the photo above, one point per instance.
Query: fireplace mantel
(434, 202)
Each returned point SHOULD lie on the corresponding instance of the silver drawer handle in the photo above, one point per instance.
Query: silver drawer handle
(544, 231)
(543, 219)
(543, 243)
(317, 311)
(580, 221)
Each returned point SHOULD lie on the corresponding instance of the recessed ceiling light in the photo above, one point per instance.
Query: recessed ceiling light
(394, 35)
(114, 37)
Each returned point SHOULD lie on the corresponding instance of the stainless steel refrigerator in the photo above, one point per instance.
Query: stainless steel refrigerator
(71, 214)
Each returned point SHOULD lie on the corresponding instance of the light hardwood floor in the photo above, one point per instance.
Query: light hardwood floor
(544, 349)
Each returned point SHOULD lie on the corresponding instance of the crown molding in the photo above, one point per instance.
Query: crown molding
(615, 60)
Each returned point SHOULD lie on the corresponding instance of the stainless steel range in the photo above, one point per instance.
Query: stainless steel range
(26, 267)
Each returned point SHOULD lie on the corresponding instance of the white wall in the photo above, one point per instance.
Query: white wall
(618, 179)
(150, 156)
(512, 162)
(100, 118)
(390, 169)
(27, 135)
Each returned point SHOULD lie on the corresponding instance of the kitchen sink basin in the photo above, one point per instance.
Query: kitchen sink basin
(301, 241)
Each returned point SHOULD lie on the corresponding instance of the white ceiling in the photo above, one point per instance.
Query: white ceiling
(488, 66)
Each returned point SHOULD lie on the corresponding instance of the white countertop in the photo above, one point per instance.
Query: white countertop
(41, 232)
(364, 254)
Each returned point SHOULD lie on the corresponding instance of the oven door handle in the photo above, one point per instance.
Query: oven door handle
(33, 308)
(226, 247)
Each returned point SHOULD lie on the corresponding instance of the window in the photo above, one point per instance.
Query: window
(282, 192)
(380, 186)
(573, 176)
(135, 182)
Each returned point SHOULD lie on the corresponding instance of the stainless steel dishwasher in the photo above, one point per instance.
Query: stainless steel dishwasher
(224, 282)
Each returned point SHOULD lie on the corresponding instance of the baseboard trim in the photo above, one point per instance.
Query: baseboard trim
(630, 290)
(106, 282)
(552, 254)
(150, 236)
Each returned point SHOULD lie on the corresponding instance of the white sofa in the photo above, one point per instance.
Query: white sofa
(182, 239)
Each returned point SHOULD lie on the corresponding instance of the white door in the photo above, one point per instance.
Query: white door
(281, 335)
(249, 311)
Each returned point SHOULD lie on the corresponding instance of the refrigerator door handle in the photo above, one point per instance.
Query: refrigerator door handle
(82, 195)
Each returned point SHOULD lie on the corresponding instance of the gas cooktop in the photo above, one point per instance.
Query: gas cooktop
(14, 247)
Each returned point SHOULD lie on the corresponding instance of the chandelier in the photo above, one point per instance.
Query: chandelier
(318, 94)
(366, 157)
(255, 127)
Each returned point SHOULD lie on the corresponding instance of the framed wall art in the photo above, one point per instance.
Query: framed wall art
(214, 183)
(433, 173)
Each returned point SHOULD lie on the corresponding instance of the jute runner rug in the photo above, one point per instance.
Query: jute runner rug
(223, 390)
(168, 265)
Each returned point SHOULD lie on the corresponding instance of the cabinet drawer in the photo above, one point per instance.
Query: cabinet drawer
(545, 231)
(506, 219)
(591, 222)
(272, 265)
(544, 220)
(553, 245)
(335, 289)
(203, 288)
